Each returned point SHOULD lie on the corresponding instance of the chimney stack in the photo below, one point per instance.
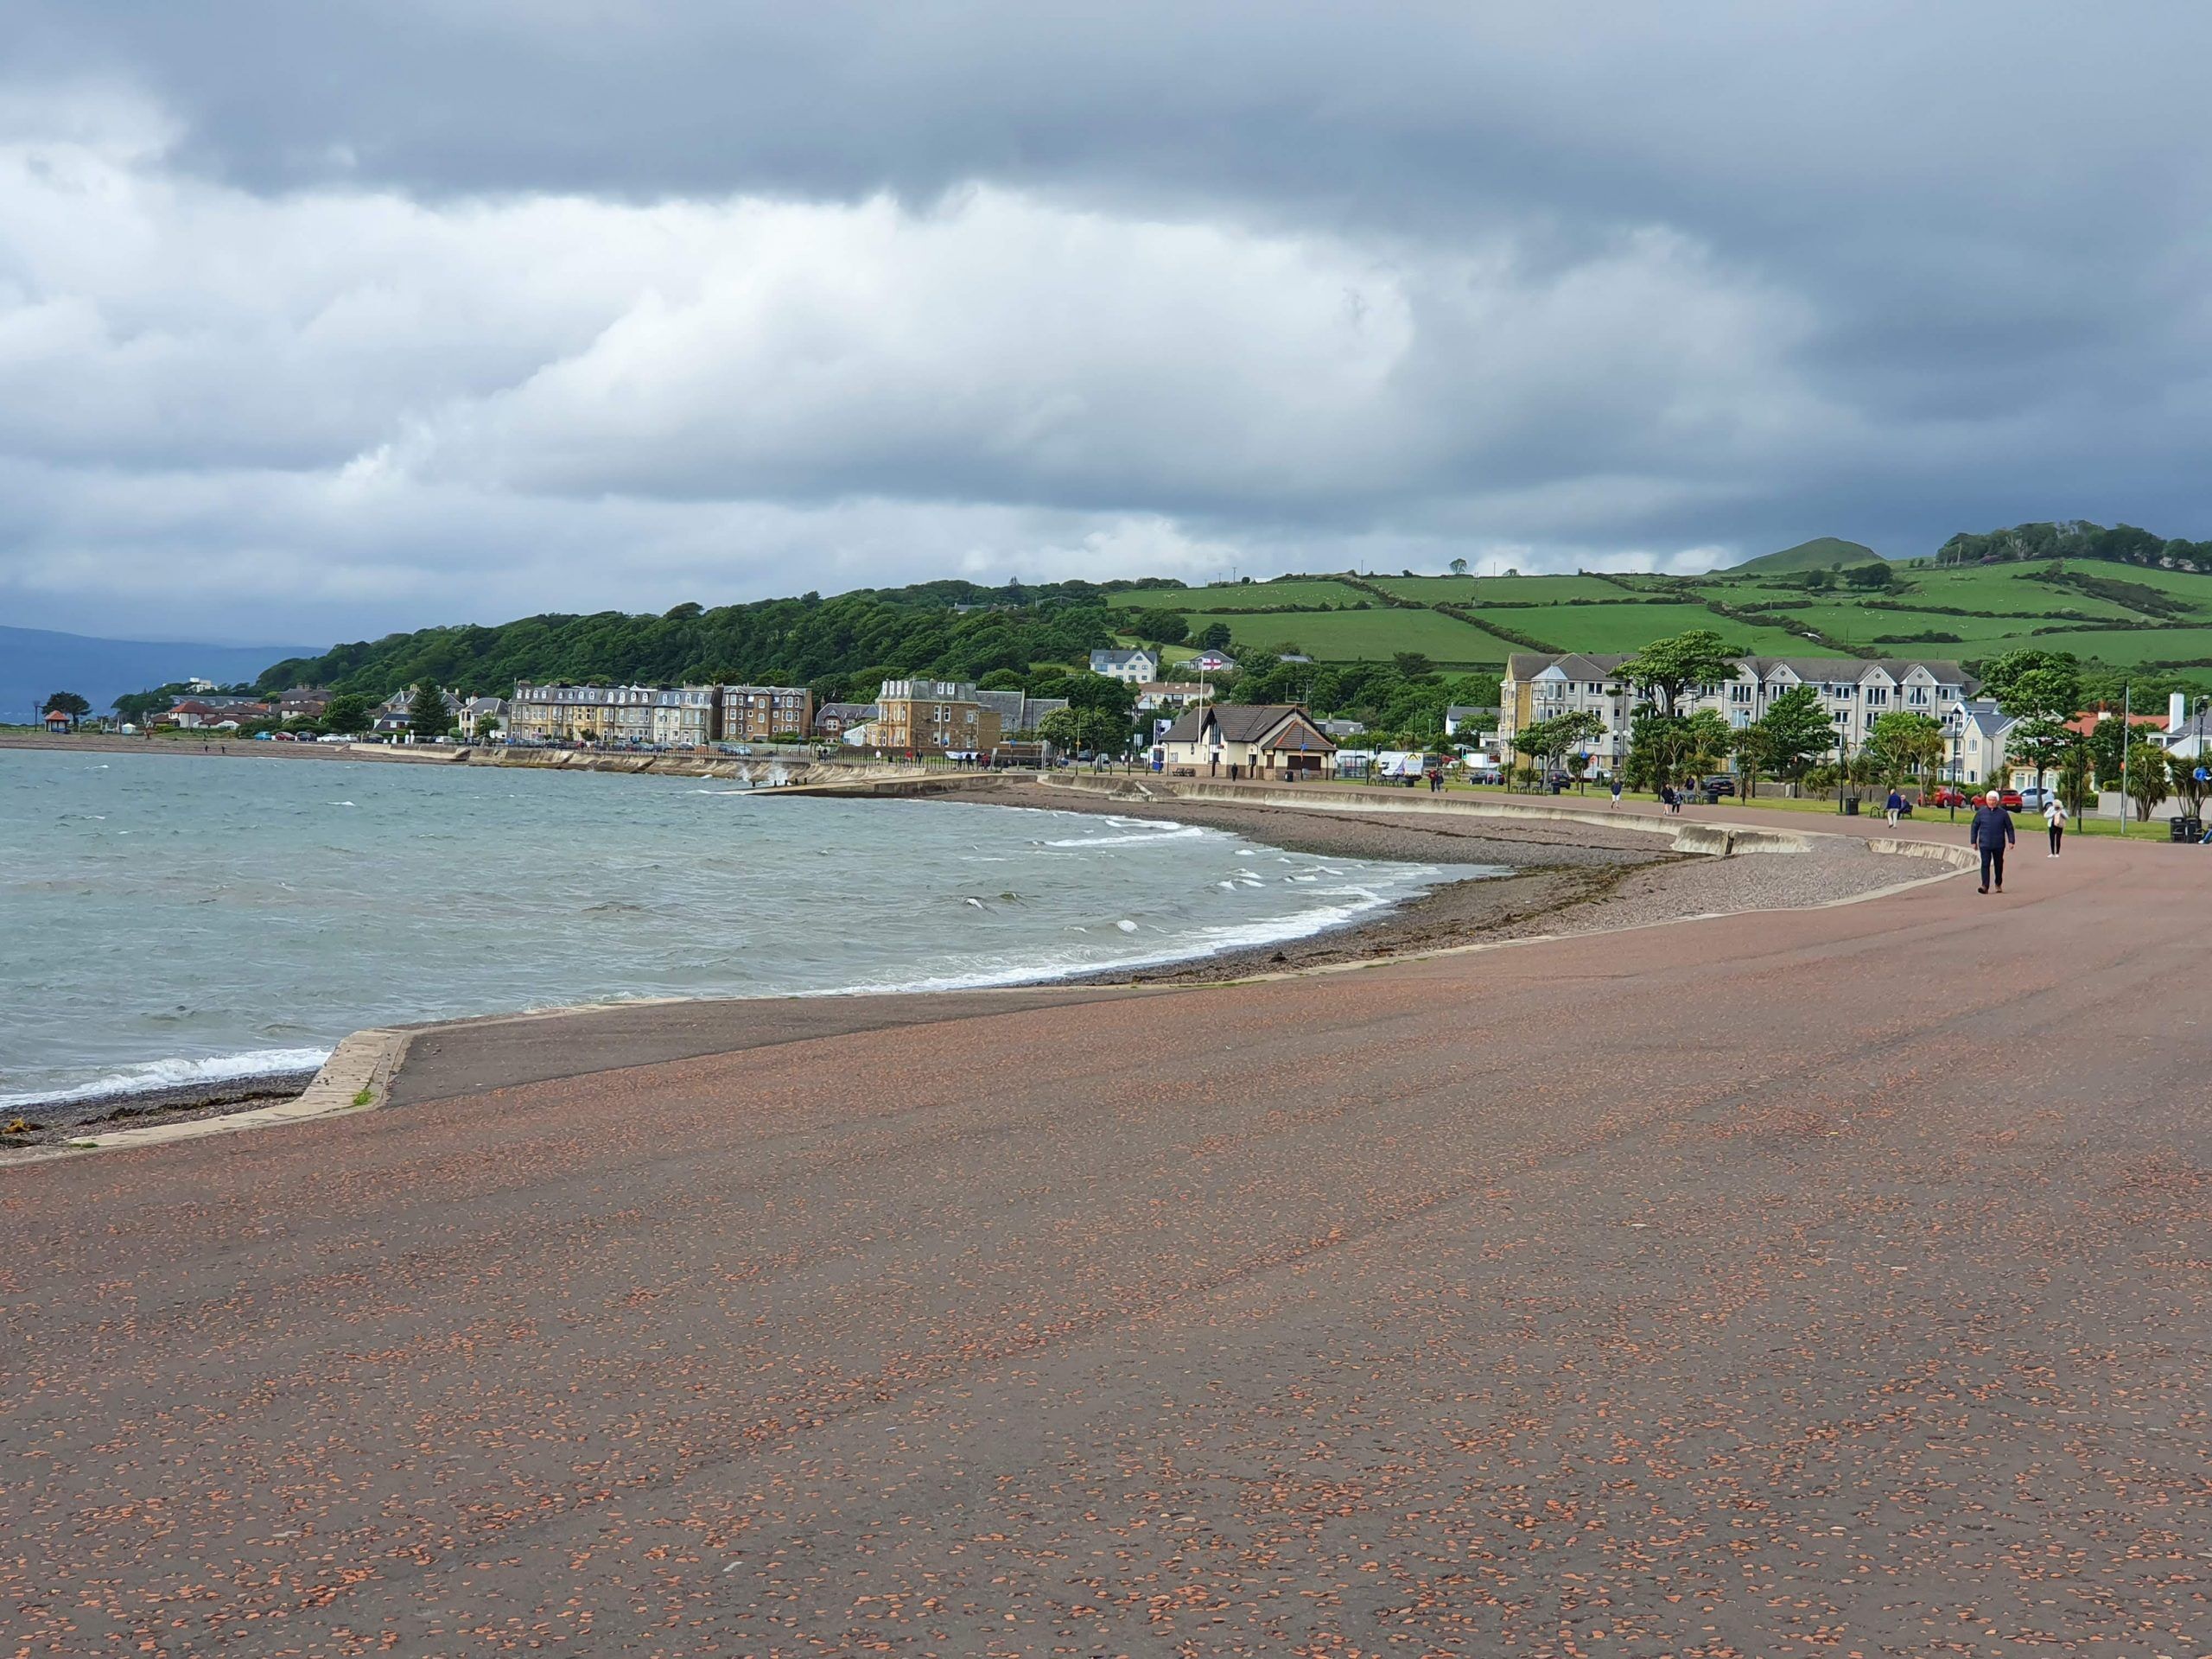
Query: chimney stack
(2177, 711)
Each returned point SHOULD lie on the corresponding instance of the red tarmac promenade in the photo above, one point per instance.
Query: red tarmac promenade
(1821, 1283)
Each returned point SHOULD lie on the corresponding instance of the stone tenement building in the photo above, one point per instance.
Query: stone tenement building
(930, 717)
(760, 714)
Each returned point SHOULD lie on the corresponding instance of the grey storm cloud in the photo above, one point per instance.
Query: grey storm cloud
(359, 317)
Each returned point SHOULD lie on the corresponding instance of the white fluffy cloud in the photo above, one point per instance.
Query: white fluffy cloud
(347, 403)
(318, 321)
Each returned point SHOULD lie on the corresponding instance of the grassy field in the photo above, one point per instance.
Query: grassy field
(1606, 621)
(2128, 647)
(1631, 626)
(1365, 636)
(1287, 590)
(1979, 635)
(1485, 590)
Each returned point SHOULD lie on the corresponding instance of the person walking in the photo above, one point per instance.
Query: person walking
(1894, 806)
(2055, 816)
(1990, 834)
(1616, 791)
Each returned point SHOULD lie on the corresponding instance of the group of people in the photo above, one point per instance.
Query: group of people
(1992, 832)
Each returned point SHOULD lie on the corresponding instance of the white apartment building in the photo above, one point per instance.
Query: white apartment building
(684, 717)
(1855, 692)
(1136, 666)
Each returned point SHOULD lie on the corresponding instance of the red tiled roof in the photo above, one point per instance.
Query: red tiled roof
(2084, 724)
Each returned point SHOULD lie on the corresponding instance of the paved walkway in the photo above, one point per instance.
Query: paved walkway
(1825, 1283)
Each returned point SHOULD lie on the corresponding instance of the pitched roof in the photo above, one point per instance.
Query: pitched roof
(1522, 666)
(1244, 722)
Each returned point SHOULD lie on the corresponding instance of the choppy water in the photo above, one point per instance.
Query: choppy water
(167, 919)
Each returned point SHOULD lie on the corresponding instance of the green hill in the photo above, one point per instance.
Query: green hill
(1363, 634)
(1822, 553)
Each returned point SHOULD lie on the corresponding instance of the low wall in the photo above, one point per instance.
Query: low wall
(1699, 836)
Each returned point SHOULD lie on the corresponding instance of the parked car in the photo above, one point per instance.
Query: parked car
(1719, 785)
(1947, 795)
(2009, 799)
(2036, 800)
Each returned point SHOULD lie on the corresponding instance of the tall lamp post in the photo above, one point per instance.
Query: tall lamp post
(1838, 768)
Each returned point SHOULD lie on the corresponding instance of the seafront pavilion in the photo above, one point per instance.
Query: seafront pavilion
(1814, 1282)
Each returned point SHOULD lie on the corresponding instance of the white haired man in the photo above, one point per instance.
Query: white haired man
(1990, 834)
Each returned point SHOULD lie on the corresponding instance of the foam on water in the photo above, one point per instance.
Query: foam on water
(151, 1075)
(250, 895)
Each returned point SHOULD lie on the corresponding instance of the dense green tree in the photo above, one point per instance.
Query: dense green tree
(1906, 744)
(67, 702)
(1214, 636)
(1546, 741)
(2034, 682)
(347, 714)
(1161, 627)
(2077, 538)
(1665, 669)
(1665, 749)
(427, 715)
(2044, 741)
(1795, 730)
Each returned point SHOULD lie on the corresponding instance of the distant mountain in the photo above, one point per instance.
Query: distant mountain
(35, 664)
(1822, 553)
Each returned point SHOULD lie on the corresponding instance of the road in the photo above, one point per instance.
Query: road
(1821, 1283)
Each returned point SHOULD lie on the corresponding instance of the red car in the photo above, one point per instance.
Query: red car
(1946, 796)
(2009, 799)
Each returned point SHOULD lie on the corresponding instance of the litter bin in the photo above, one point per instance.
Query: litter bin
(2186, 829)
(1851, 806)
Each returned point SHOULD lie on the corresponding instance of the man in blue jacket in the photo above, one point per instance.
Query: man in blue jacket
(1991, 833)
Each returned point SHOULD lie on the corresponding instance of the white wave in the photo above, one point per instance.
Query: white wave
(1178, 832)
(176, 1073)
(1197, 943)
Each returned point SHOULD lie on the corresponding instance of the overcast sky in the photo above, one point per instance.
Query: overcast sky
(322, 319)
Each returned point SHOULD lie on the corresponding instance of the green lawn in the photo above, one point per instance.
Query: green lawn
(1854, 625)
(1365, 636)
(2124, 647)
(1482, 590)
(1619, 628)
(1287, 590)
(1334, 631)
(2010, 588)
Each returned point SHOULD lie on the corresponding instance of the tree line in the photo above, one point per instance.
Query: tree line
(2077, 538)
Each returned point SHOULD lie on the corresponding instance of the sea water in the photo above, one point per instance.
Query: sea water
(168, 919)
